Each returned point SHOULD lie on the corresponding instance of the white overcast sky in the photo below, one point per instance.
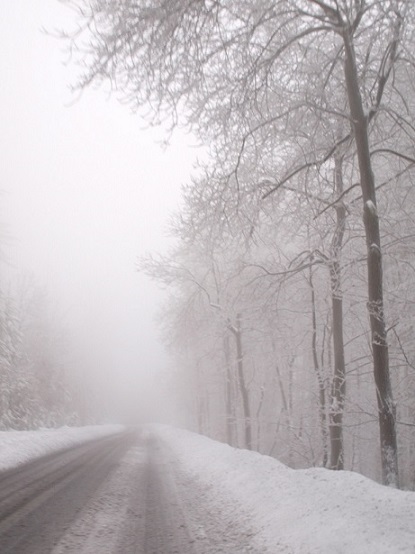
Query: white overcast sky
(85, 190)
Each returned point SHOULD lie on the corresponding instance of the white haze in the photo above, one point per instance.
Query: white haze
(85, 191)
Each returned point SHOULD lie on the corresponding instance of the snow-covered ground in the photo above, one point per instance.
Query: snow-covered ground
(18, 447)
(259, 503)
(313, 511)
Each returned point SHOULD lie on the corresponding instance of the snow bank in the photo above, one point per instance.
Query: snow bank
(18, 447)
(314, 511)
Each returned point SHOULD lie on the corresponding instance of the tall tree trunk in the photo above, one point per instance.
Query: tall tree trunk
(386, 408)
(338, 391)
(258, 419)
(317, 369)
(242, 384)
(230, 416)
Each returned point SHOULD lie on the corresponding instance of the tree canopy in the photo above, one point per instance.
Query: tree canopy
(309, 102)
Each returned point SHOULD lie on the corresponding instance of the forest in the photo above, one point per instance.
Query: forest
(291, 279)
(36, 389)
(291, 307)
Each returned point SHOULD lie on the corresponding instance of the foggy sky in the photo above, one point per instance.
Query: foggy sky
(85, 190)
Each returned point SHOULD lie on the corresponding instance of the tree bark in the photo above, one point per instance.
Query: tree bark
(338, 392)
(242, 384)
(317, 369)
(386, 408)
(258, 419)
(230, 416)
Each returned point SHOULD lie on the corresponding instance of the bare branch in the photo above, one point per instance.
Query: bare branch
(395, 153)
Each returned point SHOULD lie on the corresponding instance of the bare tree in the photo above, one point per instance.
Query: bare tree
(266, 77)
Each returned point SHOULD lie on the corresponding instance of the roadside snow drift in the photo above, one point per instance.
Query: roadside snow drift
(18, 447)
(313, 511)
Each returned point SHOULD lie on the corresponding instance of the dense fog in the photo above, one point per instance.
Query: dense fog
(86, 189)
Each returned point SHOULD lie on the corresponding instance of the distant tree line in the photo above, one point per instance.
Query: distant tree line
(35, 387)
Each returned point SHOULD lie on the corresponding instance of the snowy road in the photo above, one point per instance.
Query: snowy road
(122, 494)
(39, 500)
(164, 490)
